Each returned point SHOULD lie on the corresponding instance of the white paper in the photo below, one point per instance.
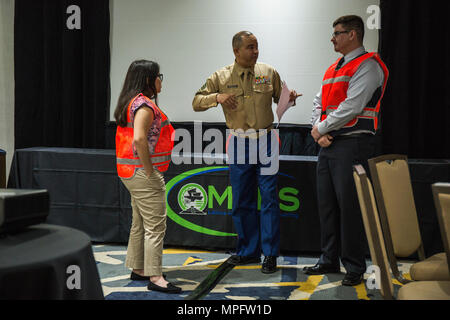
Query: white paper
(283, 103)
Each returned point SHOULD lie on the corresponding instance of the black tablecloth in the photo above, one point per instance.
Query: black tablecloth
(86, 194)
(48, 262)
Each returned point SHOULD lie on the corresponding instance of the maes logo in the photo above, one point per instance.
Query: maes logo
(209, 198)
(192, 199)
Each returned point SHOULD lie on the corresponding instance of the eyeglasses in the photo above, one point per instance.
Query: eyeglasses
(160, 76)
(336, 33)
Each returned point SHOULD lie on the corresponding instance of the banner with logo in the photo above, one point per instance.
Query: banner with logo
(199, 205)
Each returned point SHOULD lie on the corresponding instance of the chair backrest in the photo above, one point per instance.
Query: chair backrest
(2, 169)
(395, 200)
(441, 195)
(373, 230)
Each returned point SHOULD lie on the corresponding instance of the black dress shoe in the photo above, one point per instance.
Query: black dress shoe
(352, 279)
(135, 276)
(269, 265)
(170, 288)
(321, 269)
(241, 260)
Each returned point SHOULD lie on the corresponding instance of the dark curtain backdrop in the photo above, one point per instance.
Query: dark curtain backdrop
(415, 45)
(61, 75)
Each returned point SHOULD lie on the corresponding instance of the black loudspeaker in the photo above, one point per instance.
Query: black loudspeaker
(20, 208)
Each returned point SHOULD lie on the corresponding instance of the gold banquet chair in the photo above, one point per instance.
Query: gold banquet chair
(399, 222)
(441, 196)
(417, 290)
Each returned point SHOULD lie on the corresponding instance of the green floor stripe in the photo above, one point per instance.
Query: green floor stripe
(210, 281)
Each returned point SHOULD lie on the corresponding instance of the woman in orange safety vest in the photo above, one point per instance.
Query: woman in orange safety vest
(144, 142)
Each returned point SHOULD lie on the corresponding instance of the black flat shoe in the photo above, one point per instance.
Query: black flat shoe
(170, 288)
(321, 269)
(242, 260)
(269, 265)
(352, 279)
(136, 277)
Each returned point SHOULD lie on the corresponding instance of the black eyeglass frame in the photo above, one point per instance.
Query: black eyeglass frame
(336, 33)
(160, 76)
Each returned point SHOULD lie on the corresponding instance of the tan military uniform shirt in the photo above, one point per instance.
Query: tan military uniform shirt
(254, 89)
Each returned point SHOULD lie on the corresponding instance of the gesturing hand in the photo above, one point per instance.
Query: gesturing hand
(293, 95)
(227, 100)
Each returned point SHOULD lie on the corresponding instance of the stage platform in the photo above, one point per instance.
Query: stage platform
(86, 194)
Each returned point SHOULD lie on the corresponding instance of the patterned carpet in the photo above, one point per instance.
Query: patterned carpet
(188, 268)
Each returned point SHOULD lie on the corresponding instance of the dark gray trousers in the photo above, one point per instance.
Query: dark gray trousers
(342, 229)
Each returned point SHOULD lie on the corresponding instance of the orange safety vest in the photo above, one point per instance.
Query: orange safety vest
(127, 163)
(334, 92)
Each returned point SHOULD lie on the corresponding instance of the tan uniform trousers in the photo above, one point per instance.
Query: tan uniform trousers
(148, 201)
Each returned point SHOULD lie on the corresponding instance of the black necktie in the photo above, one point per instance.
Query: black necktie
(340, 63)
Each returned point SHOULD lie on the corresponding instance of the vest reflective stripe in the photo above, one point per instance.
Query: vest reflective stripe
(134, 162)
(137, 162)
(337, 79)
(161, 155)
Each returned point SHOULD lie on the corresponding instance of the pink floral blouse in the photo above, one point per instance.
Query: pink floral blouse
(155, 128)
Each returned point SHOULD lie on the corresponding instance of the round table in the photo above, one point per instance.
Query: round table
(48, 262)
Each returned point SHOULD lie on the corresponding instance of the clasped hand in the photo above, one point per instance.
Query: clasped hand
(323, 140)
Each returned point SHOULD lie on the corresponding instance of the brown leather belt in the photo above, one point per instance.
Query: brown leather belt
(250, 133)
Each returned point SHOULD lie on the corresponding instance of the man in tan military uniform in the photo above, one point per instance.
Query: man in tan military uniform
(245, 90)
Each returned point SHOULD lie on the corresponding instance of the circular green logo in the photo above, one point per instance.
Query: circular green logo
(192, 198)
(183, 222)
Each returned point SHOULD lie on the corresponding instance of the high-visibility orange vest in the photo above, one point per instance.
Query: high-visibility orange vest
(127, 163)
(334, 92)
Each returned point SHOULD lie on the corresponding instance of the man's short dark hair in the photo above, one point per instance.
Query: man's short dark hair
(352, 22)
(237, 39)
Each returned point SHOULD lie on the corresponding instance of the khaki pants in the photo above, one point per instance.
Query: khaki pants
(148, 201)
